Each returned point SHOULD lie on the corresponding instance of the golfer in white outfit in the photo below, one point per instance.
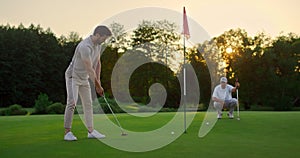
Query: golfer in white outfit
(223, 99)
(85, 65)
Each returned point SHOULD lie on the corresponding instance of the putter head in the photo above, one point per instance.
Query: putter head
(124, 134)
(238, 118)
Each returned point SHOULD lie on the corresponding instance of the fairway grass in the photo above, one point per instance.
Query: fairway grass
(257, 134)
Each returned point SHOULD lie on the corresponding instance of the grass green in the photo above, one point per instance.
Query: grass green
(257, 134)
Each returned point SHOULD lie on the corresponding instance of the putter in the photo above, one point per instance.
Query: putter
(237, 98)
(238, 105)
(122, 130)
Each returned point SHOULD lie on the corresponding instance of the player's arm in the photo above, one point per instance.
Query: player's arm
(98, 73)
(98, 70)
(237, 85)
(215, 98)
(233, 89)
(85, 52)
(89, 68)
(218, 100)
(92, 75)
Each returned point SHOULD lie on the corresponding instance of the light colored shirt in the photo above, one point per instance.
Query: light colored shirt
(86, 49)
(223, 94)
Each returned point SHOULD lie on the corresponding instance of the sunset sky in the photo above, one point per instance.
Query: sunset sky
(215, 16)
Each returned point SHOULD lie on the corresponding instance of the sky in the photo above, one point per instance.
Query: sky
(215, 16)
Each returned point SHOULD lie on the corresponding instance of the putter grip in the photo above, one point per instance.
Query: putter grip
(236, 81)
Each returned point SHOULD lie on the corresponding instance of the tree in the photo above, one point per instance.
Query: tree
(196, 59)
(232, 44)
(283, 60)
(157, 39)
(33, 60)
(154, 42)
(21, 78)
(122, 40)
(252, 71)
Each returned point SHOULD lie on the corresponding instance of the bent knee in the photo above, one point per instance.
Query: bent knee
(233, 102)
(217, 105)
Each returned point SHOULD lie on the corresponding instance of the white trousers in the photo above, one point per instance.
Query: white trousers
(78, 86)
(229, 104)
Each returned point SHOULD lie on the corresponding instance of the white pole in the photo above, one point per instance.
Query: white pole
(184, 85)
(238, 104)
(184, 81)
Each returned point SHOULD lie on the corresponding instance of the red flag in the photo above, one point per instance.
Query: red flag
(185, 31)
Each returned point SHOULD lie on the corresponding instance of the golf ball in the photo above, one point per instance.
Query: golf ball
(207, 123)
(172, 132)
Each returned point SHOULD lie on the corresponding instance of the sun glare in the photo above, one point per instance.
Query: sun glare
(229, 50)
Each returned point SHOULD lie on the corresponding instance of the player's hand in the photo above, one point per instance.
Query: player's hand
(100, 90)
(237, 85)
(222, 103)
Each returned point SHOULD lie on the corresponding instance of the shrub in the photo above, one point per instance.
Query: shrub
(284, 104)
(56, 108)
(202, 107)
(13, 110)
(104, 107)
(2, 112)
(115, 107)
(147, 109)
(41, 104)
(261, 108)
(168, 110)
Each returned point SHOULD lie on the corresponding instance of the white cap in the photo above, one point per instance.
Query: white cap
(223, 79)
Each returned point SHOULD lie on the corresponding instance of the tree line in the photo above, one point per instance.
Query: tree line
(33, 61)
(268, 69)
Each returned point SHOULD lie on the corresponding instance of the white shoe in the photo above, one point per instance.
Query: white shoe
(70, 137)
(95, 134)
(230, 115)
(219, 116)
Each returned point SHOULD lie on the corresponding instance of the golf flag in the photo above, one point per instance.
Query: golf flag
(185, 31)
(186, 34)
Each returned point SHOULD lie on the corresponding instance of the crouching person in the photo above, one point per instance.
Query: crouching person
(222, 97)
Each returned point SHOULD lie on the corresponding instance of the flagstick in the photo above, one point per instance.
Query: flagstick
(184, 86)
(185, 34)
